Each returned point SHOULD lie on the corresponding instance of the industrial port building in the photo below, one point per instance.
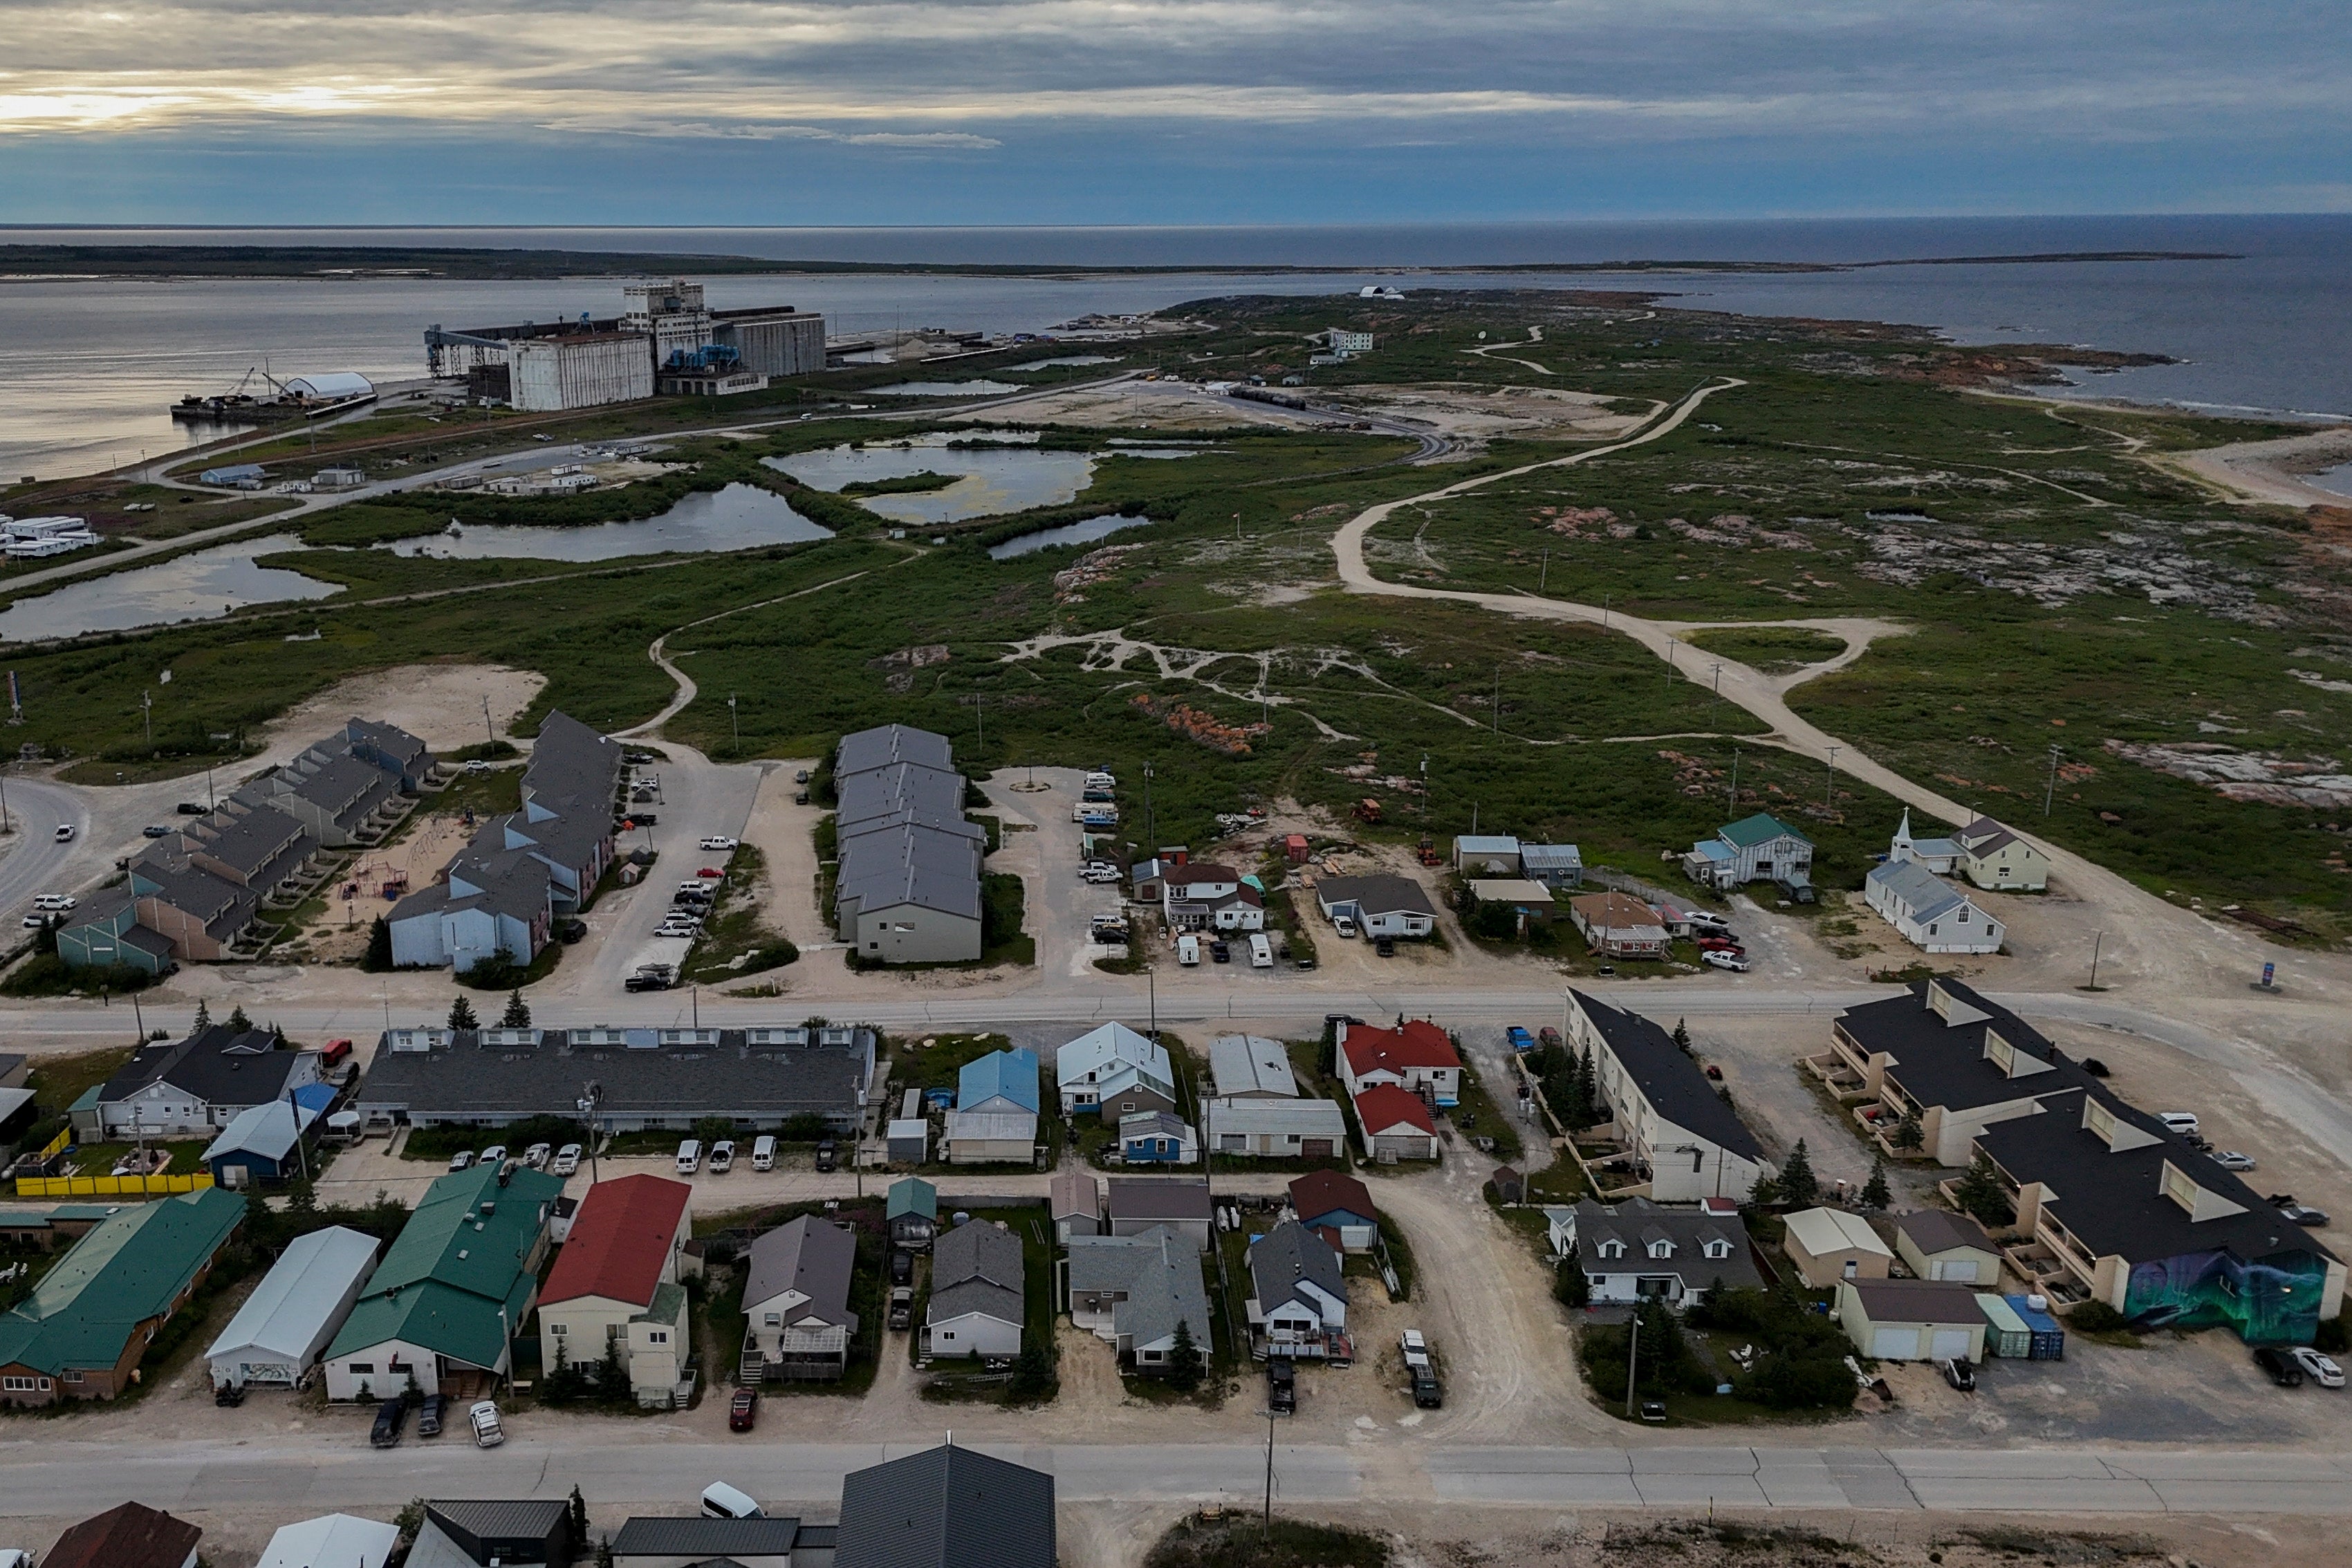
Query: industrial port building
(666, 339)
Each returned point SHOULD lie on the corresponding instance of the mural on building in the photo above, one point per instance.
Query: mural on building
(2272, 1301)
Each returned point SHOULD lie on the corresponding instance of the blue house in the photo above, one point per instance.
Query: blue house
(1000, 1080)
(1157, 1138)
(259, 1142)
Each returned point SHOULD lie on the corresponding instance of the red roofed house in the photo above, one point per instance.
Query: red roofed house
(1396, 1124)
(1337, 1207)
(1417, 1056)
(129, 1535)
(615, 1283)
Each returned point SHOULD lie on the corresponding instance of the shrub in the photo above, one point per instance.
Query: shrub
(2097, 1317)
(2334, 1337)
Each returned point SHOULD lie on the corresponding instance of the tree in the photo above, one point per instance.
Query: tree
(1570, 1286)
(301, 1197)
(1873, 1191)
(237, 1020)
(1682, 1036)
(1907, 1133)
(579, 1515)
(1032, 1373)
(518, 1013)
(1800, 1187)
(461, 1015)
(1979, 1192)
(203, 1017)
(1588, 1085)
(378, 957)
(603, 1551)
(613, 1373)
(1184, 1362)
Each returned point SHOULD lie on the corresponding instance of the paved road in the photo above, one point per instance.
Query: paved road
(35, 862)
(630, 1466)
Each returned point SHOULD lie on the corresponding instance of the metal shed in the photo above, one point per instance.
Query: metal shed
(284, 1326)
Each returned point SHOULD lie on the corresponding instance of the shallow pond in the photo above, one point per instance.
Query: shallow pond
(1067, 534)
(201, 585)
(741, 517)
(989, 480)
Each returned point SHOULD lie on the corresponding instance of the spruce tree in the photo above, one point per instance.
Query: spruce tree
(203, 1017)
(461, 1015)
(237, 1020)
(613, 1373)
(1682, 1036)
(1979, 1192)
(1800, 1187)
(1589, 1087)
(518, 1013)
(1907, 1132)
(378, 957)
(1184, 1366)
(579, 1515)
(1873, 1191)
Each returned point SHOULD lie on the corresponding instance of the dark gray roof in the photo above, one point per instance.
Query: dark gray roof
(1287, 1254)
(1916, 1300)
(906, 862)
(1159, 1272)
(219, 1065)
(869, 749)
(707, 1537)
(347, 789)
(260, 847)
(2114, 1202)
(1937, 1063)
(812, 1255)
(500, 1516)
(1672, 1082)
(929, 794)
(1376, 895)
(395, 743)
(952, 1301)
(977, 1251)
(1637, 1221)
(901, 834)
(1159, 1198)
(220, 906)
(1934, 1231)
(733, 1075)
(946, 1508)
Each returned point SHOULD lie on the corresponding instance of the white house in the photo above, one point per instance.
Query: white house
(1298, 1300)
(1251, 1067)
(1928, 912)
(1662, 1109)
(1635, 1251)
(978, 1293)
(331, 1540)
(1116, 1056)
(796, 1301)
(278, 1336)
(1417, 1056)
(1993, 857)
(1379, 906)
(1200, 896)
(1274, 1129)
(1757, 848)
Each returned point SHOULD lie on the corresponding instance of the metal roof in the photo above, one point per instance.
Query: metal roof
(1000, 1075)
(331, 1540)
(1761, 828)
(703, 1537)
(131, 1266)
(946, 1508)
(290, 1310)
(1253, 1065)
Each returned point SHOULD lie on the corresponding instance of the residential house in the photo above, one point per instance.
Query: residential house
(1275, 1129)
(1180, 1203)
(1297, 1305)
(266, 1145)
(1490, 854)
(46, 1230)
(617, 1286)
(1672, 1124)
(1559, 867)
(1076, 1199)
(911, 1210)
(201, 1084)
(1760, 848)
(1202, 897)
(1938, 1244)
(1827, 1244)
(14, 1069)
(489, 1532)
(1529, 904)
(489, 905)
(654, 1080)
(1379, 906)
(1635, 1251)
(192, 896)
(1133, 1290)
(1993, 857)
(946, 1508)
(1619, 925)
(1416, 1055)
(988, 1138)
(978, 1293)
(1928, 912)
(1337, 1207)
(1112, 1072)
(1157, 1138)
(907, 885)
(331, 1540)
(286, 1323)
(1393, 1125)
(128, 1535)
(1002, 1081)
(1940, 855)
(796, 1302)
(81, 1333)
(1911, 1320)
(692, 1542)
(1251, 1067)
(453, 1290)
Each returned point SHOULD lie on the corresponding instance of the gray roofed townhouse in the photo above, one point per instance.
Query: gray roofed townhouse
(1662, 1109)
(907, 887)
(705, 1542)
(865, 749)
(1671, 1081)
(257, 851)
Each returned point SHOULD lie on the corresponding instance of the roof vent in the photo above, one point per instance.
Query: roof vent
(461, 1254)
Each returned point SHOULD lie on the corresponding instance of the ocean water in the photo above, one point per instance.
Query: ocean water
(87, 368)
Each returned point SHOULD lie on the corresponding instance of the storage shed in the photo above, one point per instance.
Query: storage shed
(1940, 1245)
(285, 1325)
(1911, 1320)
(910, 1140)
(1828, 1245)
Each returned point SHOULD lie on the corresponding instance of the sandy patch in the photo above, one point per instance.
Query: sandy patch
(2274, 472)
(1480, 414)
(441, 705)
(412, 860)
(1158, 405)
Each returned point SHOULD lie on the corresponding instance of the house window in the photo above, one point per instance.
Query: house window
(874, 946)
(659, 1336)
(73, 1374)
(362, 1368)
(1718, 1249)
(21, 1385)
(1962, 917)
(1612, 1250)
(1662, 1249)
(1931, 930)
(775, 1320)
(558, 1330)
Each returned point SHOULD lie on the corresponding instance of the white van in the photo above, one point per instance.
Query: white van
(1100, 781)
(1261, 951)
(690, 1157)
(1188, 949)
(763, 1153)
(720, 1501)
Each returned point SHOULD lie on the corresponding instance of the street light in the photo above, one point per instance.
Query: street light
(589, 1103)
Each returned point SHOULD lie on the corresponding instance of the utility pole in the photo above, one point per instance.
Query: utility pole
(1829, 795)
(489, 731)
(733, 722)
(1268, 1531)
(1604, 611)
(147, 717)
(1670, 661)
(2051, 793)
(979, 709)
(1425, 794)
(2096, 938)
(589, 1103)
(1150, 832)
(1734, 780)
(1498, 699)
(1543, 576)
(1718, 677)
(1632, 1353)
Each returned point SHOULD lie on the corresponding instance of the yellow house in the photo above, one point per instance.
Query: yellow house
(1993, 857)
(1828, 1245)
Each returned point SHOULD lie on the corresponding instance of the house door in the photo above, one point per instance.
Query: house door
(1315, 1148)
(1950, 1345)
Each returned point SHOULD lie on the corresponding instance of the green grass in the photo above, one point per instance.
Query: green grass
(903, 485)
(1774, 651)
(1491, 1122)
(918, 1065)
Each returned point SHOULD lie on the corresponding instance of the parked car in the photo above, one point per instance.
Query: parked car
(723, 1156)
(538, 1154)
(156, 830)
(1960, 1375)
(1428, 1394)
(2320, 1369)
(828, 1154)
(1384, 945)
(2303, 1214)
(902, 1268)
(743, 1410)
(1099, 875)
(461, 1159)
(709, 870)
(488, 1432)
(719, 842)
(1282, 1386)
(1795, 892)
(2178, 1120)
(1345, 925)
(1220, 950)
(429, 1414)
(2094, 1067)
(689, 1156)
(645, 982)
(1653, 1410)
(190, 808)
(65, 833)
(392, 1415)
(1519, 1039)
(763, 1153)
(1734, 962)
(1719, 945)
(567, 1160)
(902, 1306)
(2279, 1365)
(2231, 1160)
(36, 921)
(495, 1154)
(56, 901)
(1709, 920)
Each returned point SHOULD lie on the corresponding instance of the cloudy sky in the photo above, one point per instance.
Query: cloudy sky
(1201, 111)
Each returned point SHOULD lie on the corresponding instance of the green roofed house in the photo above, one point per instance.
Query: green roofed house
(1760, 848)
(913, 1211)
(453, 1290)
(82, 1331)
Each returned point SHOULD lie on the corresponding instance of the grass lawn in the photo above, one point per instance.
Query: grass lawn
(933, 1060)
(97, 1159)
(1480, 1114)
